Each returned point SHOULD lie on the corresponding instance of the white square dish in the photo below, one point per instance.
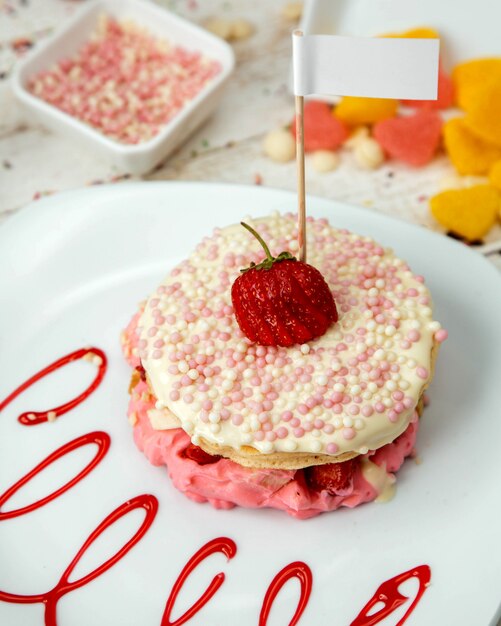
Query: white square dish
(142, 157)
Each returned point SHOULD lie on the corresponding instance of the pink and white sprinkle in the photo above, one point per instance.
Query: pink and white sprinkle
(125, 82)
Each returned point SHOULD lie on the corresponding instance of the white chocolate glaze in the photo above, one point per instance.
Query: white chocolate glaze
(352, 390)
(382, 481)
(163, 419)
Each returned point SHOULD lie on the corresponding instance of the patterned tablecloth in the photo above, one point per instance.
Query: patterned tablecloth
(34, 161)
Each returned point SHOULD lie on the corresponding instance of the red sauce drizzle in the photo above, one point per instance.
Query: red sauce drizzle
(101, 439)
(30, 418)
(387, 592)
(298, 570)
(390, 596)
(221, 544)
(50, 599)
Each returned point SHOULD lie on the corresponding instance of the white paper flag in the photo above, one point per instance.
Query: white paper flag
(377, 67)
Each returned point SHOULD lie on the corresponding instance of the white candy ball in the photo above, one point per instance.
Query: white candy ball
(279, 145)
(368, 153)
(325, 161)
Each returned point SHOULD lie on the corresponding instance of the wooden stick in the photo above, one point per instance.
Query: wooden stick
(301, 203)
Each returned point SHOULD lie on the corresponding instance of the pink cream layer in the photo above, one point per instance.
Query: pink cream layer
(226, 484)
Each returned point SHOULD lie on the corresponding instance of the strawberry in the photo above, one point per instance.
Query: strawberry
(282, 301)
(332, 477)
(195, 453)
(142, 372)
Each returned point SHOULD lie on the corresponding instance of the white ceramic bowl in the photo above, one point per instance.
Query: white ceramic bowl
(468, 30)
(142, 157)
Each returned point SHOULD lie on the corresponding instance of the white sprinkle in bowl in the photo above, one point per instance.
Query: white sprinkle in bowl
(132, 158)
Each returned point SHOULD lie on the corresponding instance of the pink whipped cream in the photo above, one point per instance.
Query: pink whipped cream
(226, 484)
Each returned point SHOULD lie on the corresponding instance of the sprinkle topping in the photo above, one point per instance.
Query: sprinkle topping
(355, 387)
(124, 82)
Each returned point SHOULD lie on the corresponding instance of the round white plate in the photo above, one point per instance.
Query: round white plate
(72, 270)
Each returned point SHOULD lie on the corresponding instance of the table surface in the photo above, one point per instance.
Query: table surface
(228, 148)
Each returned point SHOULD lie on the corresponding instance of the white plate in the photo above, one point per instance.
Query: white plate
(73, 268)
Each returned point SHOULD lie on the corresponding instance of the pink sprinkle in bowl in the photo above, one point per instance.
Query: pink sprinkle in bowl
(132, 158)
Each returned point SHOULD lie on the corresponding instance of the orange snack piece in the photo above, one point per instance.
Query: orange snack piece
(468, 153)
(421, 32)
(473, 75)
(356, 111)
(495, 175)
(469, 212)
(484, 113)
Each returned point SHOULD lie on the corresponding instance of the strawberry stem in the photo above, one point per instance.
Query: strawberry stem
(260, 239)
(267, 264)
